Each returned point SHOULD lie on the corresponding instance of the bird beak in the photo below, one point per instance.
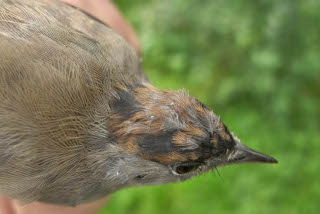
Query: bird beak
(243, 154)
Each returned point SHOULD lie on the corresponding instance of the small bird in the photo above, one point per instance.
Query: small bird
(79, 118)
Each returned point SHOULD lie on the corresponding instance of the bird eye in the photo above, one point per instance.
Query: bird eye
(140, 176)
(185, 168)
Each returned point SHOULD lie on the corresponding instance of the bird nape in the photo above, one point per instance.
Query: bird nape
(79, 119)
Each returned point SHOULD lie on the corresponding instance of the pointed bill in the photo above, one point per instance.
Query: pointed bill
(244, 154)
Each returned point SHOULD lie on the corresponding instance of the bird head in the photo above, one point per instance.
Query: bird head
(171, 137)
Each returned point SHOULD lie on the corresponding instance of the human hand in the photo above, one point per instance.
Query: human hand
(108, 13)
(13, 207)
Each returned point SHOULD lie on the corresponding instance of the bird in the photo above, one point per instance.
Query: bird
(79, 118)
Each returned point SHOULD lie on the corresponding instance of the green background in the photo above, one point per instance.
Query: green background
(256, 63)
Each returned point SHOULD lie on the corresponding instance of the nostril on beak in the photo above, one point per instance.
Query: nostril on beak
(239, 158)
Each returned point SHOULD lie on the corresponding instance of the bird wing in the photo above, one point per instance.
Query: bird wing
(56, 65)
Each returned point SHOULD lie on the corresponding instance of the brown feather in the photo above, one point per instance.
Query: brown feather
(58, 68)
(79, 120)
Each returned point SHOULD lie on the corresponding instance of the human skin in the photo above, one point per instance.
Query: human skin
(13, 207)
(108, 13)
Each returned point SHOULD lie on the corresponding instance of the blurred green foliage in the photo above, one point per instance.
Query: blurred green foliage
(256, 63)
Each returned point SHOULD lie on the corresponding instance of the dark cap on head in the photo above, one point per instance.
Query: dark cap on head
(171, 127)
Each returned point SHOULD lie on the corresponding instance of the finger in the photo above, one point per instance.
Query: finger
(40, 208)
(107, 12)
